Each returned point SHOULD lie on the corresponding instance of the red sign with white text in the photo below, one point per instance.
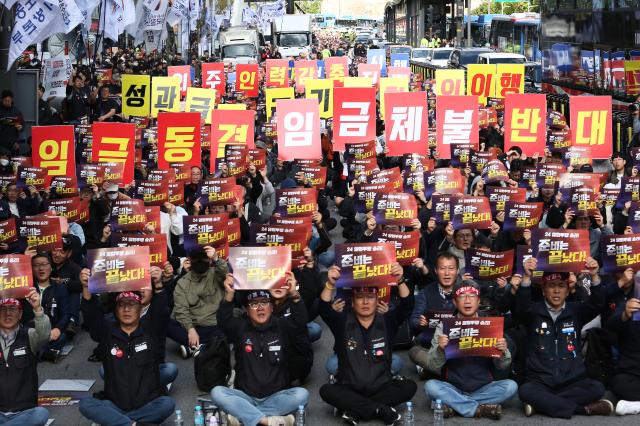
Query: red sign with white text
(213, 77)
(456, 122)
(298, 129)
(184, 74)
(406, 125)
(303, 71)
(354, 116)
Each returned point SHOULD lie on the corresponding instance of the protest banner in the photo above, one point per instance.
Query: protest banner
(413, 182)
(521, 215)
(153, 193)
(136, 95)
(591, 124)
(560, 250)
(633, 218)
(16, 276)
(64, 186)
(406, 244)
(165, 95)
(128, 215)
(389, 85)
(213, 77)
(304, 70)
(57, 72)
(549, 174)
(259, 268)
(114, 143)
(202, 101)
(472, 337)
(295, 236)
(247, 81)
(315, 176)
(176, 193)
(629, 191)
(360, 151)
(378, 57)
(443, 181)
(577, 156)
(498, 196)
(153, 217)
(358, 82)
(406, 123)
(395, 209)
(41, 232)
(449, 83)
(272, 95)
(441, 208)
(298, 129)
(32, 176)
(488, 265)
(509, 80)
(461, 154)
(481, 81)
(231, 127)
(584, 199)
(205, 230)
(634, 153)
(391, 176)
(336, 68)
(417, 162)
(495, 171)
(157, 244)
(183, 73)
(8, 231)
(456, 122)
(178, 139)
(524, 122)
(399, 72)
(365, 194)
(233, 232)
(118, 269)
(468, 212)
(354, 112)
(166, 175)
(53, 148)
(433, 317)
(65, 207)
(479, 159)
(296, 201)
(620, 252)
(218, 191)
(277, 73)
(371, 71)
(609, 196)
(487, 117)
(322, 90)
(365, 264)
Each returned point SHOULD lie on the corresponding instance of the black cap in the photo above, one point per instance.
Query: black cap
(197, 253)
(256, 294)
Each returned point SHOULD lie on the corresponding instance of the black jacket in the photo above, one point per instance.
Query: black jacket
(69, 276)
(55, 303)
(628, 342)
(19, 375)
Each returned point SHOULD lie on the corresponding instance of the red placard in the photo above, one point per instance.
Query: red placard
(184, 74)
(32, 176)
(115, 143)
(277, 73)
(391, 176)
(119, 269)
(16, 276)
(153, 193)
(591, 124)
(560, 250)
(336, 68)
(207, 230)
(259, 268)
(213, 77)
(407, 244)
(298, 129)
(42, 233)
(296, 201)
(64, 186)
(66, 207)
(470, 212)
(521, 215)
(359, 151)
(295, 236)
(365, 264)
(495, 171)
(498, 196)
(399, 72)
(218, 191)
(365, 194)
(128, 215)
(525, 122)
(304, 70)
(406, 122)
(53, 148)
(178, 139)
(443, 181)
(233, 232)
(370, 70)
(475, 337)
(8, 231)
(354, 116)
(488, 265)
(316, 176)
(230, 127)
(456, 122)
(157, 244)
(395, 208)
(247, 80)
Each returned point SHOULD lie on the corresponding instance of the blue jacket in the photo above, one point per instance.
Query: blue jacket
(429, 299)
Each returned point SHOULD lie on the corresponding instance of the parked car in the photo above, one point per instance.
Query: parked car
(461, 57)
(420, 54)
(439, 56)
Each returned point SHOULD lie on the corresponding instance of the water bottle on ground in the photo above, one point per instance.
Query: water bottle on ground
(213, 421)
(178, 420)
(438, 414)
(408, 415)
(198, 416)
(300, 416)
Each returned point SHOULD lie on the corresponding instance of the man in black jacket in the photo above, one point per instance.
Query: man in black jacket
(262, 393)
(130, 358)
(67, 273)
(11, 123)
(364, 340)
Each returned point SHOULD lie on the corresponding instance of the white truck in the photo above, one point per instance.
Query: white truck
(239, 45)
(291, 35)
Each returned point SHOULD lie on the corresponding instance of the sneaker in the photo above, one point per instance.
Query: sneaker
(388, 415)
(281, 420)
(627, 407)
(232, 421)
(603, 407)
(489, 411)
(185, 352)
(195, 351)
(332, 379)
(350, 418)
(528, 410)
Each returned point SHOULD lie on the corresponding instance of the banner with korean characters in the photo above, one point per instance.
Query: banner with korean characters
(292, 235)
(395, 209)
(633, 217)
(231, 127)
(406, 121)
(298, 129)
(449, 83)
(461, 154)
(213, 77)
(32, 176)
(202, 101)
(389, 85)
(433, 318)
(443, 181)
(577, 156)
(153, 193)
(16, 276)
(115, 143)
(495, 171)
(521, 215)
(371, 71)
(218, 191)
(473, 337)
(157, 244)
(549, 174)
(41, 233)
(53, 148)
(525, 122)
(481, 81)
(365, 194)
(64, 186)
(322, 90)
(304, 70)
(456, 122)
(118, 269)
(391, 176)
(407, 244)
(560, 250)
(8, 231)
(259, 268)
(128, 215)
(71, 208)
(273, 94)
(498, 196)
(178, 139)
(206, 230)
(469, 212)
(413, 182)
(620, 252)
(488, 265)
(354, 116)
(378, 57)
(183, 72)
(629, 191)
(509, 80)
(277, 73)
(315, 176)
(165, 95)
(336, 68)
(247, 79)
(591, 124)
(365, 264)
(441, 208)
(296, 201)
(136, 95)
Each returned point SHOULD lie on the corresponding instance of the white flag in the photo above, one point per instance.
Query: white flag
(70, 14)
(34, 21)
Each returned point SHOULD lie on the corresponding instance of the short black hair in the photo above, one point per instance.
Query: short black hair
(76, 77)
(447, 256)
(7, 93)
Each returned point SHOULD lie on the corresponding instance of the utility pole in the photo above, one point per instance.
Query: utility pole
(468, 23)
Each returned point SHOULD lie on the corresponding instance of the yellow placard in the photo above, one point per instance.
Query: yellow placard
(393, 84)
(165, 95)
(632, 77)
(273, 94)
(510, 79)
(481, 81)
(322, 90)
(449, 83)
(232, 107)
(136, 94)
(202, 101)
(358, 82)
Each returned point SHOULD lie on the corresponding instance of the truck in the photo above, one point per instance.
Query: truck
(239, 45)
(291, 35)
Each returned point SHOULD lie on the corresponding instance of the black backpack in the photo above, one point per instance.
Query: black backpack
(212, 366)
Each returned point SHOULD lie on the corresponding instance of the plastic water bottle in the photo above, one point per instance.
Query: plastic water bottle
(438, 414)
(177, 420)
(408, 415)
(213, 421)
(198, 417)
(301, 416)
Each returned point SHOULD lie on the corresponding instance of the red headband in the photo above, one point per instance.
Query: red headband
(128, 295)
(466, 289)
(10, 302)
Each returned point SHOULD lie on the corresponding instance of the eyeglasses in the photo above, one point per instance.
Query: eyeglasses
(256, 305)
(467, 296)
(41, 265)
(127, 305)
(9, 309)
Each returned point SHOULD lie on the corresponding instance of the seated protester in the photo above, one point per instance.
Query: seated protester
(19, 347)
(626, 383)
(130, 358)
(67, 273)
(595, 225)
(310, 286)
(262, 394)
(25, 203)
(470, 388)
(197, 297)
(555, 379)
(365, 388)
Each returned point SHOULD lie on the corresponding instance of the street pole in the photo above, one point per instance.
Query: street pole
(489, 7)
(468, 23)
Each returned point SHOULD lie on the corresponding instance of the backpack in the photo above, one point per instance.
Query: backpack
(212, 367)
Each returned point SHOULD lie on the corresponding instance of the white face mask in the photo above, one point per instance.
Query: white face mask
(4, 162)
(112, 196)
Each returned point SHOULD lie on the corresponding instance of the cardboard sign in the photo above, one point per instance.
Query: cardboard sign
(591, 124)
(213, 77)
(481, 81)
(53, 149)
(406, 121)
(391, 176)
(296, 201)
(510, 80)
(461, 154)
(153, 193)
(272, 95)
(128, 215)
(303, 71)
(441, 208)
(336, 68)
(136, 95)
(560, 250)
(115, 143)
(231, 127)
(443, 181)
(178, 139)
(619, 252)
(354, 111)
(495, 171)
(449, 83)
(119, 269)
(407, 244)
(157, 244)
(456, 122)
(16, 276)
(218, 191)
(522, 215)
(469, 212)
(298, 129)
(277, 73)
(629, 191)
(388, 85)
(371, 71)
(487, 265)
(8, 231)
(165, 95)
(247, 80)
(473, 337)
(259, 268)
(206, 230)
(322, 90)
(31, 176)
(395, 209)
(202, 101)
(365, 264)
(183, 72)
(66, 207)
(42, 233)
(295, 236)
(525, 122)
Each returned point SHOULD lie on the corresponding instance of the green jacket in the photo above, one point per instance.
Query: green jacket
(197, 297)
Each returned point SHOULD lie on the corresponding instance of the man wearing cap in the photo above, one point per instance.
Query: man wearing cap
(197, 297)
(263, 394)
(365, 388)
(556, 381)
(469, 387)
(19, 347)
(130, 358)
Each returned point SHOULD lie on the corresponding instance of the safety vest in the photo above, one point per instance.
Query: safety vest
(424, 42)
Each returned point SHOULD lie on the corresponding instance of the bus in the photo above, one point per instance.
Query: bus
(480, 29)
(365, 21)
(516, 33)
(591, 47)
(324, 20)
(347, 21)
